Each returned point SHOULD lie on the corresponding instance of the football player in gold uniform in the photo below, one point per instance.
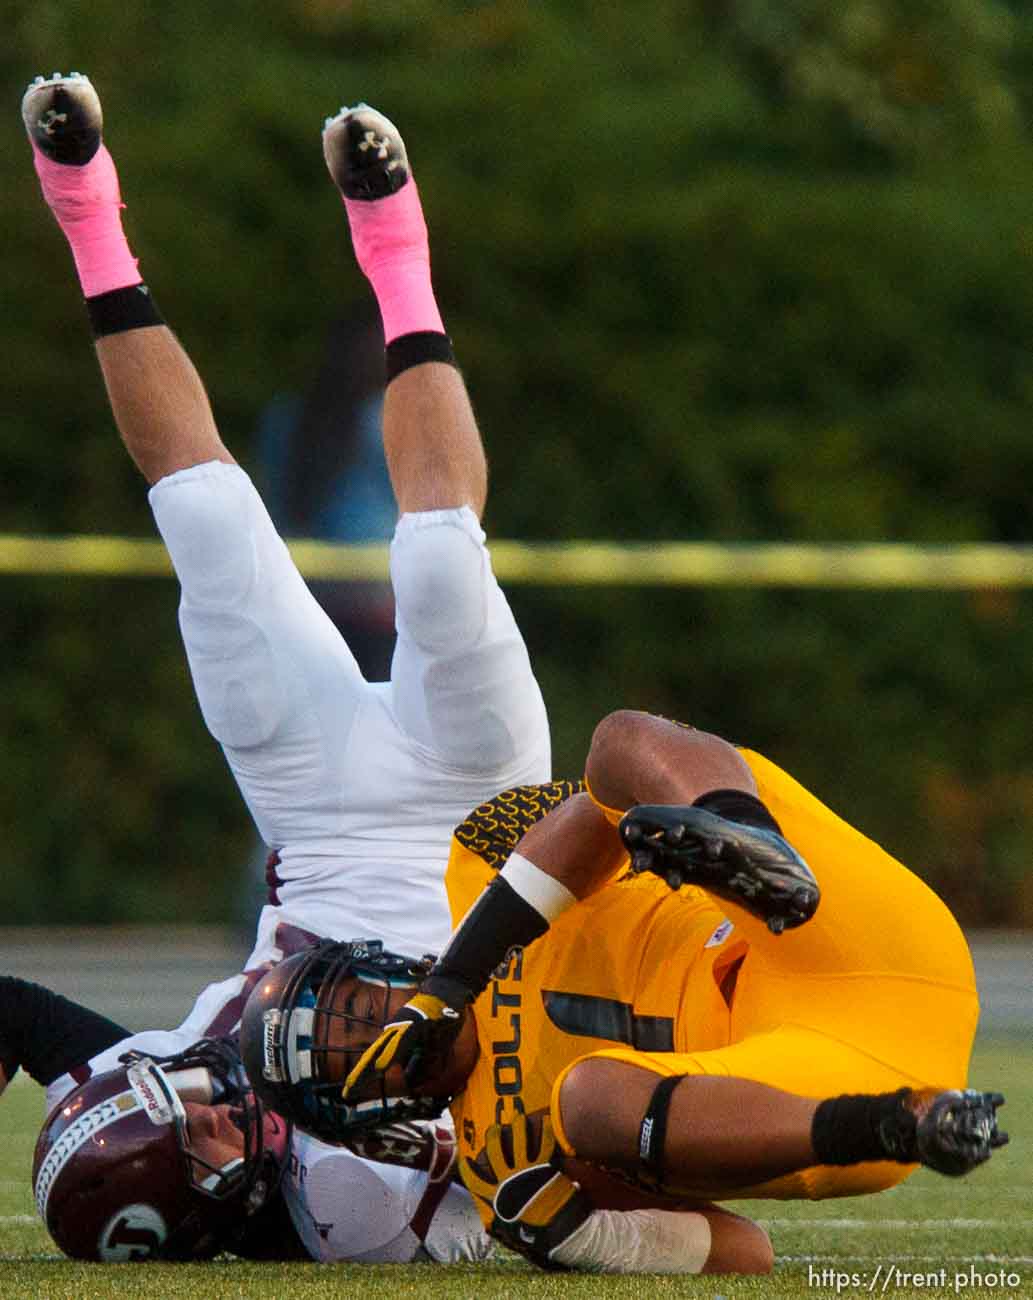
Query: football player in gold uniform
(671, 1002)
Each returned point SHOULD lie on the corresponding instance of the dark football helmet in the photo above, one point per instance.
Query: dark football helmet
(299, 1038)
(116, 1176)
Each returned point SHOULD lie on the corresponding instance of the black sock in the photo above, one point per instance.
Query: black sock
(853, 1128)
(738, 806)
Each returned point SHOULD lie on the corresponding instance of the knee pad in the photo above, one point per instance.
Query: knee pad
(440, 579)
(237, 680)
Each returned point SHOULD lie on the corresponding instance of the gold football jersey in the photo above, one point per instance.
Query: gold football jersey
(875, 991)
(634, 965)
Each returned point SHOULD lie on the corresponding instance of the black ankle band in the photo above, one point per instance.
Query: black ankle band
(414, 349)
(131, 308)
(856, 1127)
(652, 1132)
(738, 806)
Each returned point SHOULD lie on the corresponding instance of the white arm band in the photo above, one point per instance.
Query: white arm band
(637, 1241)
(544, 893)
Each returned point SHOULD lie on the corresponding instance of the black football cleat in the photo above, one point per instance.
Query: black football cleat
(63, 118)
(952, 1132)
(364, 153)
(748, 865)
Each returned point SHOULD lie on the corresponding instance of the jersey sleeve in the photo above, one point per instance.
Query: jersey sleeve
(347, 1208)
(494, 828)
(47, 1034)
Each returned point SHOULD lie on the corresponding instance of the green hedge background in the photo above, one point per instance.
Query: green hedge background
(740, 270)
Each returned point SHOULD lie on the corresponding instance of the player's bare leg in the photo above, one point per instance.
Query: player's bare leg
(692, 816)
(431, 441)
(159, 403)
(719, 1135)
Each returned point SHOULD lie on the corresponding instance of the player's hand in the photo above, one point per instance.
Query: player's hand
(535, 1207)
(418, 1039)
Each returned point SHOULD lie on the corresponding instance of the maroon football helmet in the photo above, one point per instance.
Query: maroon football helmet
(116, 1177)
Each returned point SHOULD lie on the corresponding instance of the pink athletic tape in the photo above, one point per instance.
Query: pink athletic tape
(88, 207)
(390, 241)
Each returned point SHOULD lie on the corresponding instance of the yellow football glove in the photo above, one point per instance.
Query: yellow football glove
(535, 1206)
(418, 1039)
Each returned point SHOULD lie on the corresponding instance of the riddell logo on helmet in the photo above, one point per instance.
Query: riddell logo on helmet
(156, 1106)
(270, 1039)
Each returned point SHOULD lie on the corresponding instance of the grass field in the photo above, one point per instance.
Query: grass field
(978, 1230)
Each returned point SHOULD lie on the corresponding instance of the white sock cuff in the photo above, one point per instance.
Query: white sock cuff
(544, 893)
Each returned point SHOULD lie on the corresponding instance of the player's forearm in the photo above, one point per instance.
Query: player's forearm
(564, 857)
(575, 845)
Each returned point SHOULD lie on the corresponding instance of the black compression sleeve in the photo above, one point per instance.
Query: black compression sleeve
(498, 921)
(46, 1033)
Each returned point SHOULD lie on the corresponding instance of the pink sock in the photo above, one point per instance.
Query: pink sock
(390, 241)
(88, 206)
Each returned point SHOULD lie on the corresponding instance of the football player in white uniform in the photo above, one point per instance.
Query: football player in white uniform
(352, 784)
(156, 1146)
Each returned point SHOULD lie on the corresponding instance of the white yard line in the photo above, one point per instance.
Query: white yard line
(906, 1225)
(832, 1260)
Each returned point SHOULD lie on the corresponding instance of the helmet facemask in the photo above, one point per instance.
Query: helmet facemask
(237, 1179)
(305, 1028)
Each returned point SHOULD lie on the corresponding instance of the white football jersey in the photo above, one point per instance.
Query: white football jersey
(357, 786)
(344, 1208)
(347, 1208)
